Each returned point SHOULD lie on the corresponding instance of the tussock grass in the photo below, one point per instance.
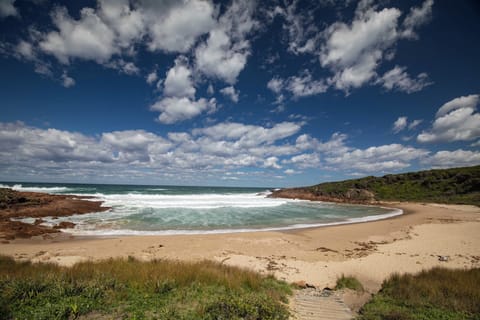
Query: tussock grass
(435, 294)
(349, 282)
(130, 289)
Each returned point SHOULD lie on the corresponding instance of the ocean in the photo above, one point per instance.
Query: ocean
(162, 210)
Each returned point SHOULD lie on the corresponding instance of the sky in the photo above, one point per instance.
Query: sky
(236, 93)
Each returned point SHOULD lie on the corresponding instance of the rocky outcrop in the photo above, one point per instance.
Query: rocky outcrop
(352, 195)
(14, 204)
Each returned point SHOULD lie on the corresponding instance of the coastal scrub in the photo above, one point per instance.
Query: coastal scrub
(131, 289)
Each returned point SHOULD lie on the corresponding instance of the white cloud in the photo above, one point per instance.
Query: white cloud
(224, 54)
(249, 135)
(399, 124)
(231, 93)
(304, 160)
(275, 84)
(271, 162)
(174, 26)
(291, 171)
(417, 17)
(414, 124)
(304, 85)
(450, 159)
(377, 159)
(178, 82)
(398, 79)
(7, 8)
(25, 50)
(354, 51)
(88, 38)
(124, 67)
(175, 109)
(469, 101)
(456, 120)
(302, 33)
(127, 24)
(67, 81)
(152, 77)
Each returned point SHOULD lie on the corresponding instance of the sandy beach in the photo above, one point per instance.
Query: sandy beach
(371, 251)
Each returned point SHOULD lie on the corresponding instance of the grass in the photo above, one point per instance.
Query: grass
(349, 282)
(436, 294)
(456, 185)
(130, 289)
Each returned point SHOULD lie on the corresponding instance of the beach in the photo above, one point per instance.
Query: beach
(370, 251)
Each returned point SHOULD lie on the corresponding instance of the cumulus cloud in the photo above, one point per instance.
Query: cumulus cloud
(7, 8)
(272, 162)
(417, 16)
(377, 159)
(202, 151)
(402, 123)
(174, 109)
(305, 160)
(399, 80)
(399, 124)
(230, 93)
(88, 38)
(178, 82)
(299, 86)
(302, 33)
(456, 120)
(450, 159)
(152, 77)
(174, 26)
(224, 54)
(67, 81)
(353, 51)
(275, 84)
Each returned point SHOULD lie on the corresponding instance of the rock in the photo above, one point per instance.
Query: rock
(38, 221)
(300, 284)
(443, 258)
(65, 225)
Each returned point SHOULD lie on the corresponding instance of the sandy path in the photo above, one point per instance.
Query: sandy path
(371, 251)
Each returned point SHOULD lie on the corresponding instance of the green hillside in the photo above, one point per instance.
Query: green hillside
(457, 185)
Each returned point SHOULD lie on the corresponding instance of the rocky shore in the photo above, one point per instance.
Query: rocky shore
(352, 195)
(14, 204)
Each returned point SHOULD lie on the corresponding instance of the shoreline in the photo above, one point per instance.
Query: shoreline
(371, 251)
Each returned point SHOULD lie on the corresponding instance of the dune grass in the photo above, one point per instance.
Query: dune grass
(435, 294)
(349, 282)
(130, 289)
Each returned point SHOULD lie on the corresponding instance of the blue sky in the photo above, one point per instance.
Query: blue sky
(241, 93)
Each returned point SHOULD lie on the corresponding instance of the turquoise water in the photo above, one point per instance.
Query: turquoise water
(192, 210)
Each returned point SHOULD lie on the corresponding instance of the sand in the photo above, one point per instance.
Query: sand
(371, 251)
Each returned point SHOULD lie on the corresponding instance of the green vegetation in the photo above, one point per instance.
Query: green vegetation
(349, 282)
(436, 294)
(130, 289)
(458, 185)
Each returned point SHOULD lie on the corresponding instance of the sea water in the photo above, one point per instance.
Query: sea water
(150, 210)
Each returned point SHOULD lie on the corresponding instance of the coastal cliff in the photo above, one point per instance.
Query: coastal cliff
(454, 186)
(15, 204)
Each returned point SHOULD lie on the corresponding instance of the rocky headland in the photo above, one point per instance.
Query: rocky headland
(15, 204)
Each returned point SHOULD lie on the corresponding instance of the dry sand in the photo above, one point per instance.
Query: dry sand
(370, 251)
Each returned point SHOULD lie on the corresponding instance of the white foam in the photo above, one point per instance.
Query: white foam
(19, 187)
(126, 232)
(194, 201)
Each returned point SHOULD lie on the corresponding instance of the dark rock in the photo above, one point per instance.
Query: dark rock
(65, 225)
